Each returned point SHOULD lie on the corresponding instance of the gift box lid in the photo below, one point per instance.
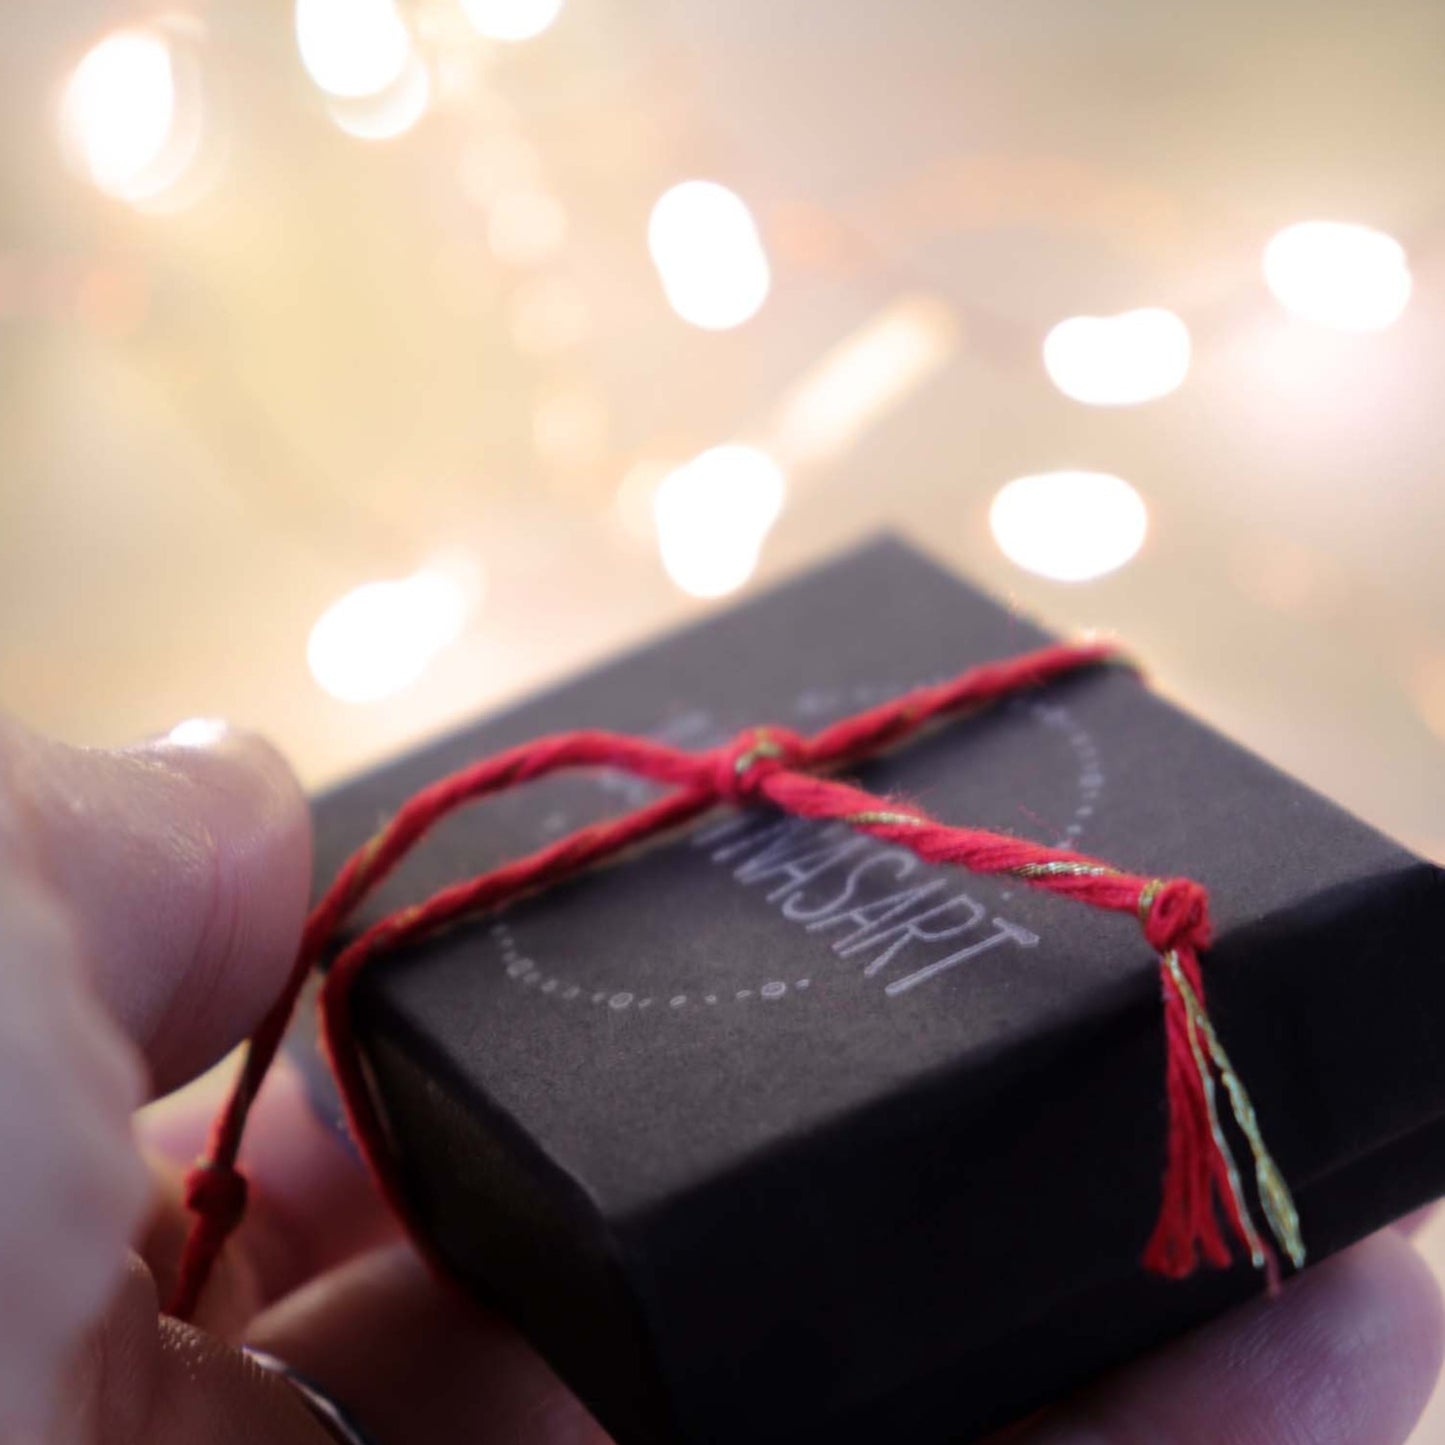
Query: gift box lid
(774, 1132)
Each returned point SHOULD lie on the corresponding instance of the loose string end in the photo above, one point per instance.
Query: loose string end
(1201, 1176)
(215, 1192)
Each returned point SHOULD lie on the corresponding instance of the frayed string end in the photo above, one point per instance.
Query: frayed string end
(1202, 1183)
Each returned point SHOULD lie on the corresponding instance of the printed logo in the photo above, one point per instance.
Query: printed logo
(895, 923)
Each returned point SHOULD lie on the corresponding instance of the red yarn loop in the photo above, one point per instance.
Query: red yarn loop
(1178, 917)
(764, 765)
(745, 764)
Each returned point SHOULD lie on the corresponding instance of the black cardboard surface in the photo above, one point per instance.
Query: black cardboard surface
(750, 1168)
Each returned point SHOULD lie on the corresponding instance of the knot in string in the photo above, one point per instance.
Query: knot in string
(742, 766)
(216, 1192)
(775, 766)
(1175, 914)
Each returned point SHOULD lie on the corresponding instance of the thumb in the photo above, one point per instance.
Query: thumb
(185, 865)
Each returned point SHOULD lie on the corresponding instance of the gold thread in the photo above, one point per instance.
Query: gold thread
(1231, 1169)
(407, 916)
(365, 856)
(1062, 868)
(1274, 1194)
(1147, 894)
(862, 819)
(763, 747)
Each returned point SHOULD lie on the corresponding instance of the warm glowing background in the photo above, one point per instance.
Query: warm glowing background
(368, 363)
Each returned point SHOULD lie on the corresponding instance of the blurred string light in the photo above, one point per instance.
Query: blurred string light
(635, 494)
(548, 316)
(1338, 274)
(527, 227)
(1069, 526)
(865, 375)
(569, 429)
(131, 114)
(511, 19)
(709, 255)
(713, 515)
(112, 299)
(352, 48)
(380, 637)
(390, 112)
(1121, 360)
(120, 105)
(497, 163)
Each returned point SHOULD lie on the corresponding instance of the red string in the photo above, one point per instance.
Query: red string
(765, 766)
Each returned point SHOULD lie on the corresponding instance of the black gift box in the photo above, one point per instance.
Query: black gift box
(772, 1133)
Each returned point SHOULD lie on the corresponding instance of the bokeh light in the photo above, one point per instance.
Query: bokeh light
(380, 637)
(352, 48)
(511, 19)
(709, 255)
(126, 121)
(713, 515)
(865, 375)
(526, 228)
(1338, 274)
(549, 315)
(112, 299)
(1069, 526)
(636, 494)
(1121, 360)
(496, 163)
(391, 112)
(569, 428)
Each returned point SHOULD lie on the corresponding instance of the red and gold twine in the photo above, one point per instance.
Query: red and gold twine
(1203, 1202)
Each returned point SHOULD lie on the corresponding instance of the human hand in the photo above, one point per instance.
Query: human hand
(150, 903)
